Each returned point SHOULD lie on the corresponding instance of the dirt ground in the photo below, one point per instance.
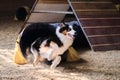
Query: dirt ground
(97, 65)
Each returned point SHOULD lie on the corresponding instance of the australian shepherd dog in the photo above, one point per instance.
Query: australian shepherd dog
(52, 42)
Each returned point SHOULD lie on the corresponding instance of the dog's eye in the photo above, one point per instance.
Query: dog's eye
(69, 29)
(74, 27)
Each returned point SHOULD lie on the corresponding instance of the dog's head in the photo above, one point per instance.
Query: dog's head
(67, 30)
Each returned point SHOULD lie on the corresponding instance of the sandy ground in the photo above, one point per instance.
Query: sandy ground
(97, 65)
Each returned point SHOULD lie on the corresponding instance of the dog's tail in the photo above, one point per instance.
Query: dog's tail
(35, 45)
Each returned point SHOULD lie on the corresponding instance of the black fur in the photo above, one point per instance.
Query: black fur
(42, 31)
(38, 30)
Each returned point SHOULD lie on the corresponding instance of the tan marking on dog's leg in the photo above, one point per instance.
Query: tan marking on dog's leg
(41, 58)
(38, 59)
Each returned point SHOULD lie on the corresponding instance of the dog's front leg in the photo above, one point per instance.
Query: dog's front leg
(55, 62)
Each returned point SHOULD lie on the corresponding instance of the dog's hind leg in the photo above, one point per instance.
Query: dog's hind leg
(38, 59)
(36, 56)
(55, 62)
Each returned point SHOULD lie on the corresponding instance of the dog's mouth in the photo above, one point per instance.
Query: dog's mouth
(71, 36)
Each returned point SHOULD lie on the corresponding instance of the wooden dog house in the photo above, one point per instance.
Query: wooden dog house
(99, 20)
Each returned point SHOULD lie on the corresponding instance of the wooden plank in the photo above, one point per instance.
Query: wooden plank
(93, 5)
(55, 12)
(52, 1)
(109, 18)
(102, 31)
(97, 12)
(55, 7)
(45, 17)
(106, 47)
(92, 27)
(90, 0)
(99, 16)
(100, 22)
(104, 39)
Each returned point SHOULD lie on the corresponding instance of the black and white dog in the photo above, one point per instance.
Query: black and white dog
(52, 43)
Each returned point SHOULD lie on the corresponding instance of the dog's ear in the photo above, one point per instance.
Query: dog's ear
(74, 26)
(62, 24)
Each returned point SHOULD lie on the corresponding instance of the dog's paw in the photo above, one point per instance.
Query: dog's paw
(55, 62)
(34, 64)
(52, 67)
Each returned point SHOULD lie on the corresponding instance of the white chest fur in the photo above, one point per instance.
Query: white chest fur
(54, 50)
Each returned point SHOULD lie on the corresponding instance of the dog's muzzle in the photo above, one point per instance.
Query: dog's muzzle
(72, 35)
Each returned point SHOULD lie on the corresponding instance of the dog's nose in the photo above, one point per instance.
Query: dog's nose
(75, 34)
